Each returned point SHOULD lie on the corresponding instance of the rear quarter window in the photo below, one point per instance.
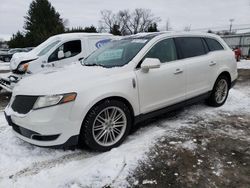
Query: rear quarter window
(213, 45)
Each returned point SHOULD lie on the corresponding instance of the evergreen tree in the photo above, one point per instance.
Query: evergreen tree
(153, 28)
(17, 41)
(41, 22)
(91, 29)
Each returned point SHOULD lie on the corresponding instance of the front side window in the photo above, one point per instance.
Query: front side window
(47, 48)
(213, 44)
(70, 49)
(116, 53)
(164, 51)
(190, 46)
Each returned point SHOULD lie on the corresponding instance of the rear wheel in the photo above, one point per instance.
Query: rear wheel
(106, 125)
(220, 92)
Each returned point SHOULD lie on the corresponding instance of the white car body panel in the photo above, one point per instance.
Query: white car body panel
(158, 83)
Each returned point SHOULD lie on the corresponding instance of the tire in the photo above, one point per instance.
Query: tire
(97, 131)
(214, 99)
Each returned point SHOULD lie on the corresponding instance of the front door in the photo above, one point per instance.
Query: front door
(163, 86)
(71, 51)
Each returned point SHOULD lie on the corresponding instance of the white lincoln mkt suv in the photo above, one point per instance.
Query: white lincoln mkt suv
(119, 85)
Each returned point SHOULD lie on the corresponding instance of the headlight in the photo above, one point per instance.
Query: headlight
(23, 67)
(52, 100)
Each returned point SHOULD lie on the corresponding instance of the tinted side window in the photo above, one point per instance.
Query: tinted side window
(213, 44)
(190, 47)
(164, 50)
(70, 49)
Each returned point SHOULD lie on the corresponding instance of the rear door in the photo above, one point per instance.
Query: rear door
(163, 86)
(193, 51)
(218, 57)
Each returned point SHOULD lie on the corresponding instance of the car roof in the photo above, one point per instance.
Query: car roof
(170, 34)
(80, 35)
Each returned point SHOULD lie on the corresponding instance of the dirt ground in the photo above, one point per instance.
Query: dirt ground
(212, 152)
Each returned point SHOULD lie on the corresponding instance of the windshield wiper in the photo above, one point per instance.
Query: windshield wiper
(93, 64)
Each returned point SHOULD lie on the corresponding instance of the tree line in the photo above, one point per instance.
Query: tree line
(43, 21)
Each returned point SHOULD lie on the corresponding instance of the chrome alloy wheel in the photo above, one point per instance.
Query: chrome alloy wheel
(109, 126)
(221, 91)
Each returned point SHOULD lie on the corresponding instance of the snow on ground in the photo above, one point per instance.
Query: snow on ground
(24, 165)
(4, 66)
(243, 64)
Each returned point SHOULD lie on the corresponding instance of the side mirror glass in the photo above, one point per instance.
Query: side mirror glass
(60, 54)
(150, 63)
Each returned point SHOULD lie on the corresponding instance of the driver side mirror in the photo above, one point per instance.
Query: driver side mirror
(60, 54)
(150, 63)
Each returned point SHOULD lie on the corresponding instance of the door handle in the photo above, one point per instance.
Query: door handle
(212, 63)
(178, 71)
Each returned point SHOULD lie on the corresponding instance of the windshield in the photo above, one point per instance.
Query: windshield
(116, 53)
(37, 50)
(47, 48)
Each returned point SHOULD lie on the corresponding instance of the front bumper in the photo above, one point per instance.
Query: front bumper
(48, 127)
(9, 82)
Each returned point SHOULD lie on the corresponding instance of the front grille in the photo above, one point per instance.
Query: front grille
(4, 82)
(23, 104)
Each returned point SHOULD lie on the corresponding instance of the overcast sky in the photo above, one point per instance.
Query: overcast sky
(180, 13)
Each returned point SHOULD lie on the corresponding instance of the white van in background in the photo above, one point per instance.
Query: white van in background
(57, 51)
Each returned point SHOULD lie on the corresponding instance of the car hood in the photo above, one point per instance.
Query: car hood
(17, 58)
(72, 79)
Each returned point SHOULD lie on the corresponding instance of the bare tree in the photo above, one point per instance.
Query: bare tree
(187, 28)
(108, 20)
(168, 25)
(129, 23)
(124, 19)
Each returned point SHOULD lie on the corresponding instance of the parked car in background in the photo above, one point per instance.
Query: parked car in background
(27, 49)
(123, 83)
(6, 57)
(57, 51)
(4, 50)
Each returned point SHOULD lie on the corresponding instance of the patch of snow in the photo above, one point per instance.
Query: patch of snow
(144, 182)
(189, 145)
(243, 64)
(218, 169)
(35, 166)
(174, 143)
(199, 161)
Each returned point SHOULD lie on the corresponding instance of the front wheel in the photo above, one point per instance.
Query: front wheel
(220, 92)
(106, 125)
